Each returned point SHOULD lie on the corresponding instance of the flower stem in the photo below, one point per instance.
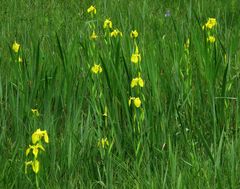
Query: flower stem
(37, 182)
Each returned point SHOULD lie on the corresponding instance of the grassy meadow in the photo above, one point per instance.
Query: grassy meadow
(138, 94)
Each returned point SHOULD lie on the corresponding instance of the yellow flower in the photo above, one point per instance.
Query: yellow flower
(37, 136)
(136, 57)
(134, 34)
(137, 81)
(35, 112)
(15, 47)
(35, 149)
(211, 39)
(35, 166)
(115, 33)
(103, 142)
(92, 10)
(210, 23)
(136, 101)
(96, 68)
(107, 24)
(93, 36)
(187, 44)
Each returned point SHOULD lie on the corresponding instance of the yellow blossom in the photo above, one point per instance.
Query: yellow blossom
(136, 57)
(116, 33)
(107, 24)
(35, 112)
(35, 166)
(134, 34)
(92, 10)
(210, 23)
(136, 101)
(15, 47)
(96, 68)
(137, 81)
(37, 136)
(35, 149)
(103, 142)
(211, 39)
(93, 36)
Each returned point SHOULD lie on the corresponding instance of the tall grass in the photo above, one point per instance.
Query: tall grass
(186, 133)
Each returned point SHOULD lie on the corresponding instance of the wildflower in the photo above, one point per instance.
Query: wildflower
(137, 81)
(107, 24)
(96, 68)
(115, 33)
(35, 112)
(35, 149)
(136, 57)
(211, 39)
(38, 135)
(93, 36)
(103, 142)
(35, 166)
(92, 10)
(187, 44)
(210, 23)
(15, 47)
(134, 34)
(136, 101)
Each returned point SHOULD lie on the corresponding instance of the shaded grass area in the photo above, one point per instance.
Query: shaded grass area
(185, 135)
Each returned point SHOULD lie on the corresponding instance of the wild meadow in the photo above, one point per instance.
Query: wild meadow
(119, 94)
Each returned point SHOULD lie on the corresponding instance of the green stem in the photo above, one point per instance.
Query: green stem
(37, 182)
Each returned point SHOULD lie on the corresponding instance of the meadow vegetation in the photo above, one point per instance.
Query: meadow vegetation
(119, 94)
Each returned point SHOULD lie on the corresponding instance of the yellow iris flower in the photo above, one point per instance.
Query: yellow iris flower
(93, 36)
(210, 23)
(138, 81)
(92, 10)
(38, 135)
(136, 101)
(35, 149)
(136, 57)
(96, 69)
(103, 142)
(134, 34)
(116, 33)
(107, 24)
(35, 112)
(211, 39)
(35, 166)
(15, 47)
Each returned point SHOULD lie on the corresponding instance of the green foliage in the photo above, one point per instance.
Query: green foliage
(184, 135)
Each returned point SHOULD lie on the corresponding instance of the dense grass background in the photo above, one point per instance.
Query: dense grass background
(189, 135)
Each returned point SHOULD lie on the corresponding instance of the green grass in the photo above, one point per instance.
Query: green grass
(184, 135)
